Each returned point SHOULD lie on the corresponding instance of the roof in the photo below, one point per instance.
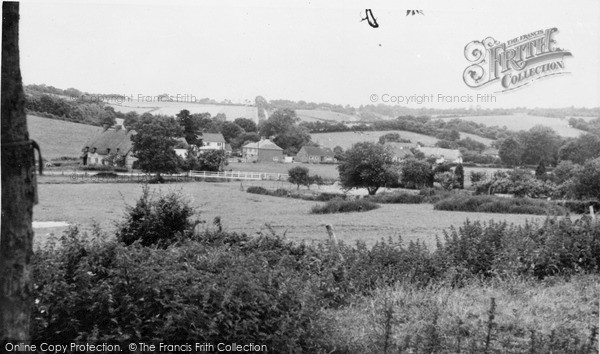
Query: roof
(265, 144)
(490, 152)
(398, 150)
(448, 154)
(317, 151)
(228, 147)
(112, 139)
(181, 143)
(402, 145)
(213, 137)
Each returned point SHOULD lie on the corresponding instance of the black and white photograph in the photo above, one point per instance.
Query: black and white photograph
(302, 176)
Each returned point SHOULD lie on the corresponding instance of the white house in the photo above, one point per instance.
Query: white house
(442, 155)
(212, 141)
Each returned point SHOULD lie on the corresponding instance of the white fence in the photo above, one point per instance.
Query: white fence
(256, 176)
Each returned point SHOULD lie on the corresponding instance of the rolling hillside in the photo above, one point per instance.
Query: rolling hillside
(518, 122)
(310, 115)
(347, 139)
(172, 108)
(59, 138)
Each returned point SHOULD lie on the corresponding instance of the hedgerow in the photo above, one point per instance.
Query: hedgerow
(344, 206)
(493, 204)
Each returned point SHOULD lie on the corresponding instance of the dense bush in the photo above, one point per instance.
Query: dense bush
(581, 206)
(344, 206)
(257, 190)
(156, 220)
(492, 204)
(189, 292)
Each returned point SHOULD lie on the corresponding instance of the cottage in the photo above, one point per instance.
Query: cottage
(315, 154)
(400, 151)
(181, 147)
(442, 155)
(262, 151)
(212, 141)
(110, 144)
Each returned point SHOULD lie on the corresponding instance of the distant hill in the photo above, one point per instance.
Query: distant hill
(172, 108)
(59, 138)
(518, 122)
(347, 139)
(312, 115)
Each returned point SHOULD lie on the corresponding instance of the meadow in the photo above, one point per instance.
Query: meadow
(80, 203)
(59, 138)
(347, 139)
(315, 115)
(518, 122)
(172, 108)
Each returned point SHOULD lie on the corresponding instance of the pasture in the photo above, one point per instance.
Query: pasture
(347, 139)
(315, 115)
(104, 204)
(59, 138)
(172, 108)
(518, 122)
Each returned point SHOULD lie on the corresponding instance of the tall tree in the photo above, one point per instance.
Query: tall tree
(510, 152)
(540, 143)
(190, 126)
(18, 189)
(154, 143)
(248, 125)
(367, 165)
(459, 173)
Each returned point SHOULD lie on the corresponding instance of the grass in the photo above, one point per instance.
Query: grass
(347, 139)
(80, 203)
(449, 318)
(172, 108)
(58, 138)
(310, 115)
(525, 122)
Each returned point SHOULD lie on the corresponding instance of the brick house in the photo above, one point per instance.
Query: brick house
(315, 154)
(262, 151)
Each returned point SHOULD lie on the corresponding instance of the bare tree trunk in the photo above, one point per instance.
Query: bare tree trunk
(18, 189)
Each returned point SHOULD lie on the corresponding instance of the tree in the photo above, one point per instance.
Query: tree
(299, 175)
(154, 143)
(459, 173)
(212, 160)
(190, 126)
(417, 173)
(510, 152)
(19, 189)
(540, 143)
(338, 152)
(231, 131)
(587, 180)
(392, 137)
(581, 149)
(278, 123)
(248, 125)
(367, 165)
(540, 171)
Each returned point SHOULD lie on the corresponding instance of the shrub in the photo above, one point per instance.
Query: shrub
(581, 206)
(160, 220)
(105, 291)
(492, 204)
(106, 175)
(344, 206)
(257, 190)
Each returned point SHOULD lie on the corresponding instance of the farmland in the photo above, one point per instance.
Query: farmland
(310, 115)
(59, 138)
(524, 122)
(172, 108)
(347, 139)
(250, 213)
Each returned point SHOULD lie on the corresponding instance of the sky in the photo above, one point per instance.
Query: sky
(316, 51)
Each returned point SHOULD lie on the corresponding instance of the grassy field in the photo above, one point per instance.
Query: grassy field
(525, 122)
(310, 115)
(347, 139)
(244, 212)
(172, 108)
(59, 138)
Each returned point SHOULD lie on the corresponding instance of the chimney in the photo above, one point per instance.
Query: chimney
(105, 126)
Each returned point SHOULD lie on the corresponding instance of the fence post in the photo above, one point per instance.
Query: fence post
(592, 213)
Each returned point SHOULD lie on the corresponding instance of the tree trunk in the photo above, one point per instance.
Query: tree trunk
(18, 189)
